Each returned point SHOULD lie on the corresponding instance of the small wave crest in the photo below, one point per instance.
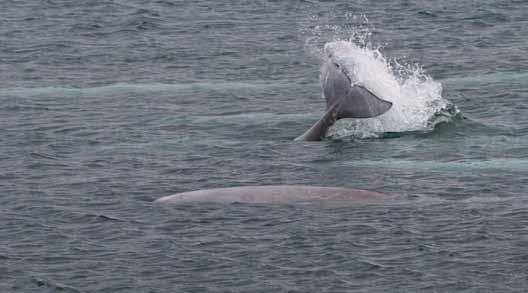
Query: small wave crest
(417, 99)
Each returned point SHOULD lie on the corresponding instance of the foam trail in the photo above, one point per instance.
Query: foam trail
(416, 97)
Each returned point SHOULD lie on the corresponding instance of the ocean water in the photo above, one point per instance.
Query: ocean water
(108, 105)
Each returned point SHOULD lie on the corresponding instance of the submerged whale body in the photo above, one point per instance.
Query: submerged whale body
(344, 99)
(271, 194)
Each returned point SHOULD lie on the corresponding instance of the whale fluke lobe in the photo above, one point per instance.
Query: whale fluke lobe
(344, 99)
(362, 103)
(271, 194)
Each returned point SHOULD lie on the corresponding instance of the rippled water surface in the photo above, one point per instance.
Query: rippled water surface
(108, 105)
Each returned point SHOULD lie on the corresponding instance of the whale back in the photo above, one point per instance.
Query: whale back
(271, 194)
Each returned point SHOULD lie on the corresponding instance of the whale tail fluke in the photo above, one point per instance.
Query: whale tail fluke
(359, 102)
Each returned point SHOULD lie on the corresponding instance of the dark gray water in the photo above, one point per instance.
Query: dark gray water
(107, 105)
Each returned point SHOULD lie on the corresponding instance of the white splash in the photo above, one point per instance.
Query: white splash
(416, 97)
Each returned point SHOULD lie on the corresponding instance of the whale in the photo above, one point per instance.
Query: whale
(344, 97)
(271, 194)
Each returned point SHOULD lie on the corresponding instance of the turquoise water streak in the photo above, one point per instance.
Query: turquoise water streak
(106, 106)
(130, 88)
(497, 165)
